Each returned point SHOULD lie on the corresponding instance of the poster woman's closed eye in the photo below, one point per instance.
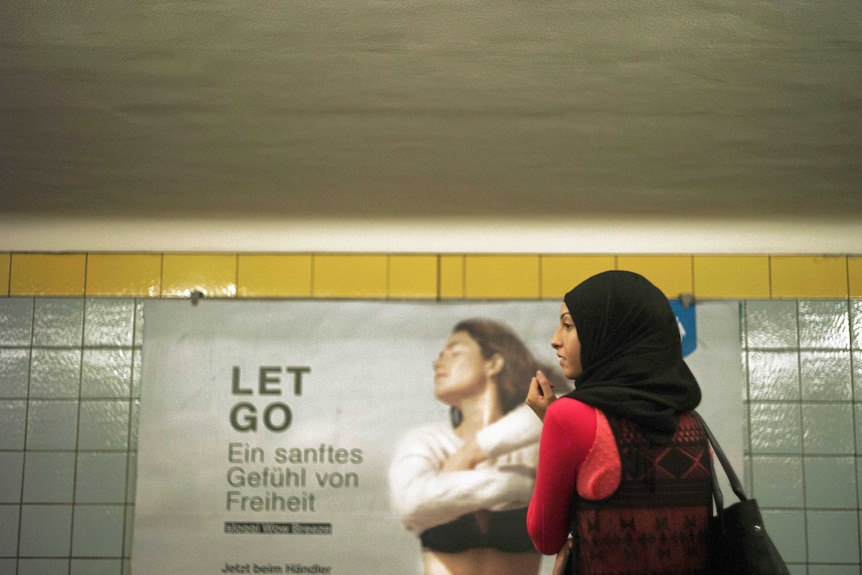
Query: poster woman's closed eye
(623, 466)
(463, 486)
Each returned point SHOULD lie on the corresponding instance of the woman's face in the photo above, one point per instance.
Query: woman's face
(567, 345)
(460, 370)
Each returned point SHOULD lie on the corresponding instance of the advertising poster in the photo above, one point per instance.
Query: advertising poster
(304, 436)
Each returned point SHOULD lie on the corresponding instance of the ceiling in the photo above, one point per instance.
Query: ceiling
(416, 108)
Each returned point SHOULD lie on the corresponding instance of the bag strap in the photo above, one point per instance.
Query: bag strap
(735, 483)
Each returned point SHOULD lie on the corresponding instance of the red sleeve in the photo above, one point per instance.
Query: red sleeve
(568, 434)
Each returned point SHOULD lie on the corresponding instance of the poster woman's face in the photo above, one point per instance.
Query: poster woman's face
(460, 370)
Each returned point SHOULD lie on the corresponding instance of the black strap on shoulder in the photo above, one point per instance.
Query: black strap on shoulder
(735, 483)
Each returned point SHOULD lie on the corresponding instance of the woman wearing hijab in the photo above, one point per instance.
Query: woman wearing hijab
(623, 466)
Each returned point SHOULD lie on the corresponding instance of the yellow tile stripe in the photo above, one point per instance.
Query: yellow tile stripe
(47, 274)
(135, 275)
(418, 276)
(5, 273)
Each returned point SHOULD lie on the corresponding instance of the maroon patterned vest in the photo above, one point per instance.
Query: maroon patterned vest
(655, 523)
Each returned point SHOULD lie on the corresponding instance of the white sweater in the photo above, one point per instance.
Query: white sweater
(423, 496)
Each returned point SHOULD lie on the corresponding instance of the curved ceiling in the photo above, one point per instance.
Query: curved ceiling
(469, 108)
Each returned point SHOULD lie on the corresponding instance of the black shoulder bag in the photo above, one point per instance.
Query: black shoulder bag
(738, 542)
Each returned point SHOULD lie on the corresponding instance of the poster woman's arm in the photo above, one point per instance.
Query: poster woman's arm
(424, 496)
(518, 428)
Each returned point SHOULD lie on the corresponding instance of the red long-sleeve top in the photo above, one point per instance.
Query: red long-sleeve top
(577, 451)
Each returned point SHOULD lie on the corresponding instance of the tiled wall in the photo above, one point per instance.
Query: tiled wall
(70, 349)
(804, 384)
(423, 276)
(69, 389)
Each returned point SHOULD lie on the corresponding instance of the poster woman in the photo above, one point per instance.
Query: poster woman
(463, 486)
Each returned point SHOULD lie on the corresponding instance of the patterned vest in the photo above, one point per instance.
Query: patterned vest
(656, 521)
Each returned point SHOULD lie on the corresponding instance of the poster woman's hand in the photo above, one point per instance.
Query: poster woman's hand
(541, 394)
(467, 457)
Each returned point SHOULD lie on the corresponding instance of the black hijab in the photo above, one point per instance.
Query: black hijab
(631, 351)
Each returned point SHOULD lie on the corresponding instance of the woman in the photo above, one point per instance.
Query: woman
(463, 486)
(623, 466)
